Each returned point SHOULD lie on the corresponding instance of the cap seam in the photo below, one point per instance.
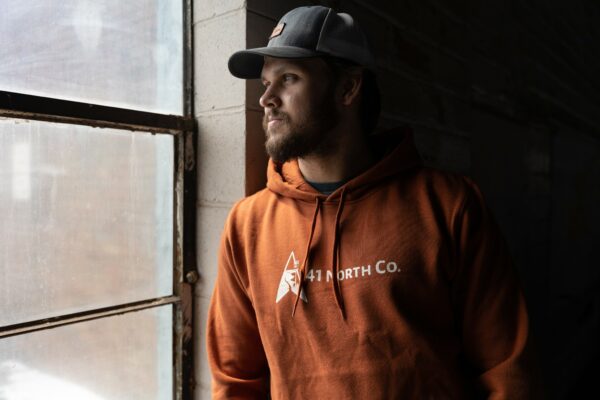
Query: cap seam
(322, 29)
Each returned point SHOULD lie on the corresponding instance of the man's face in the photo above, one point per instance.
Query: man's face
(300, 108)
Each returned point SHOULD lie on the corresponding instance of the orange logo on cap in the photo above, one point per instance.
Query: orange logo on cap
(277, 30)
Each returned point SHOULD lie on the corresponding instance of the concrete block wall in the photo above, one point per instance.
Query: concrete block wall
(502, 91)
(219, 29)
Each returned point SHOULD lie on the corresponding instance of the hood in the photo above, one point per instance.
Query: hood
(395, 150)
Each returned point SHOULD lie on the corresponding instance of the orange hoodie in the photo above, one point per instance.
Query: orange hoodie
(396, 286)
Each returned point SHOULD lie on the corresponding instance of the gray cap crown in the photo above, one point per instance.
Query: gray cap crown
(304, 32)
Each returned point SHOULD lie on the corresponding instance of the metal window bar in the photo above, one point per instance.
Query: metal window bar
(17, 105)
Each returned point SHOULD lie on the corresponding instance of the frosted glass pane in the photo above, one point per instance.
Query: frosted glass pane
(87, 218)
(125, 54)
(127, 357)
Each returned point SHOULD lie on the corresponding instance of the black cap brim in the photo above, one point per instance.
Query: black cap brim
(247, 64)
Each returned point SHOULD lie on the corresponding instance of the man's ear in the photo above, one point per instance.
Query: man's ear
(351, 84)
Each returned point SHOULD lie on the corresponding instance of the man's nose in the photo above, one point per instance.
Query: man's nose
(270, 99)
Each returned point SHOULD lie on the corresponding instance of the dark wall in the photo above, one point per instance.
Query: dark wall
(508, 93)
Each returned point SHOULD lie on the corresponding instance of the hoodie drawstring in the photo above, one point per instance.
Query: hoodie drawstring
(303, 267)
(337, 290)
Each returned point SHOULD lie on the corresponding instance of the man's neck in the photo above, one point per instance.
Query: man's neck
(347, 161)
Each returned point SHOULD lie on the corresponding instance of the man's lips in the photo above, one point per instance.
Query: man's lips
(273, 120)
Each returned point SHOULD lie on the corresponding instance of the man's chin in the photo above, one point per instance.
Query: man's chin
(276, 149)
(276, 137)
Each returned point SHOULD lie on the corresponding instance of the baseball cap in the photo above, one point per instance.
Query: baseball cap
(304, 32)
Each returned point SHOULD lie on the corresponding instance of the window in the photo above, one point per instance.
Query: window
(97, 163)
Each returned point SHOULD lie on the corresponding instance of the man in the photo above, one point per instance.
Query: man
(357, 273)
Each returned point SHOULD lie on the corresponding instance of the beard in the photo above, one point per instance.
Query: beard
(310, 135)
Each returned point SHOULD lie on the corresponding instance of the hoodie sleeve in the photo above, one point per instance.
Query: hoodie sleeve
(490, 305)
(235, 351)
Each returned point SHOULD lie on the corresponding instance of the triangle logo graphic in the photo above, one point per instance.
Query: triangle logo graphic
(290, 279)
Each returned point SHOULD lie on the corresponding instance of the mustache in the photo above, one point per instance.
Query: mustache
(274, 114)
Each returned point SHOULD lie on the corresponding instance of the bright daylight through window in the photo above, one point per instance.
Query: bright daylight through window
(93, 128)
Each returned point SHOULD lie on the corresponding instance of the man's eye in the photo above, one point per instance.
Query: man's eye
(289, 78)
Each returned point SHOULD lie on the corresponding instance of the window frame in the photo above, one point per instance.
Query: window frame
(185, 275)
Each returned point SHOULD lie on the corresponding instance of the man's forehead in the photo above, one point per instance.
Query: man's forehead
(273, 62)
(274, 65)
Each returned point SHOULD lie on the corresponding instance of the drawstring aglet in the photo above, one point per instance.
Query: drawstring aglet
(300, 287)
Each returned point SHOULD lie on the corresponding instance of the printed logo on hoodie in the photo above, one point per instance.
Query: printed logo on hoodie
(290, 279)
